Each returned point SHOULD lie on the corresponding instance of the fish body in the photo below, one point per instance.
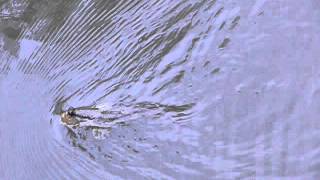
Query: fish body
(80, 117)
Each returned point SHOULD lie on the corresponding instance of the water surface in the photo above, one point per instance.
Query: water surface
(205, 89)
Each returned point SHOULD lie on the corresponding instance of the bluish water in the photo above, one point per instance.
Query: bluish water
(185, 89)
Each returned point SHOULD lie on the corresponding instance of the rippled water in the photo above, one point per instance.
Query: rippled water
(192, 89)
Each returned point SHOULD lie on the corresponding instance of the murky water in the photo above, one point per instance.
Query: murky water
(186, 89)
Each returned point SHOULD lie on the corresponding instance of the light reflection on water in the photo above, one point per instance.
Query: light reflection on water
(182, 89)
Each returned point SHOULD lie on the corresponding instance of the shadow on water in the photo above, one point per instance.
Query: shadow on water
(158, 89)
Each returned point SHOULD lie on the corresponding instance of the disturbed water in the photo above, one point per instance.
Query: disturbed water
(185, 89)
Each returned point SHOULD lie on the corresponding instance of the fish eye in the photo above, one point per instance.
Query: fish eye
(71, 112)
